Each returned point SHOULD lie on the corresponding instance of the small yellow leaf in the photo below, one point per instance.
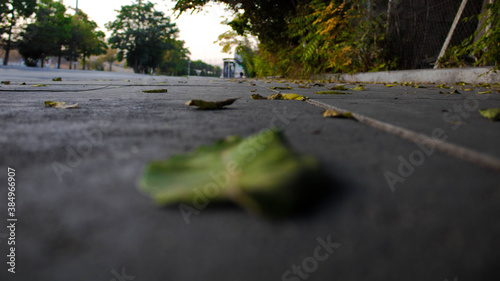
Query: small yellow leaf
(60, 105)
(487, 92)
(338, 88)
(359, 88)
(258, 97)
(281, 88)
(40, 85)
(390, 85)
(335, 114)
(443, 86)
(286, 97)
(57, 79)
(491, 113)
(332, 93)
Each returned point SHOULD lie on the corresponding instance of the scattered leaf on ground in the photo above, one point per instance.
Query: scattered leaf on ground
(22, 84)
(491, 113)
(40, 85)
(358, 88)
(258, 97)
(57, 79)
(156, 91)
(450, 93)
(201, 104)
(253, 91)
(462, 83)
(335, 114)
(443, 86)
(259, 173)
(6, 82)
(304, 87)
(337, 88)
(486, 92)
(286, 97)
(61, 105)
(251, 84)
(390, 85)
(281, 88)
(467, 89)
(419, 87)
(332, 93)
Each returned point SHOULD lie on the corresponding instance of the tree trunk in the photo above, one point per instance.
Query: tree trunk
(7, 49)
(59, 58)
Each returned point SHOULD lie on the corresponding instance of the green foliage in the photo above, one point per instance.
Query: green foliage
(206, 69)
(54, 33)
(298, 38)
(11, 11)
(142, 35)
(47, 34)
(483, 47)
(175, 59)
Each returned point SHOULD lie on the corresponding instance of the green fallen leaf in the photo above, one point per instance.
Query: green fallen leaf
(258, 97)
(201, 104)
(338, 88)
(390, 85)
(60, 105)
(486, 92)
(287, 97)
(281, 88)
(462, 83)
(57, 79)
(335, 114)
(259, 173)
(156, 91)
(443, 86)
(419, 87)
(6, 82)
(359, 88)
(491, 113)
(332, 93)
(40, 85)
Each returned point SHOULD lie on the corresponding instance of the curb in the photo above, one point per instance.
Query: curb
(473, 75)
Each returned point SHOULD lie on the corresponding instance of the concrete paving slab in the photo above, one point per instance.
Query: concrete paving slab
(90, 222)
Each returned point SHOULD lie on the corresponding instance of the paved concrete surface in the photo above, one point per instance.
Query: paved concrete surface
(89, 221)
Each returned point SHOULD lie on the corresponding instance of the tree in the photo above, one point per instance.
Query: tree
(141, 34)
(89, 40)
(47, 35)
(175, 59)
(12, 11)
(110, 57)
(85, 41)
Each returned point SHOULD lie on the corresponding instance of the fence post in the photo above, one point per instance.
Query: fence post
(450, 33)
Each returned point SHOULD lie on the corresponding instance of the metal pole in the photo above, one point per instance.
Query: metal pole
(450, 34)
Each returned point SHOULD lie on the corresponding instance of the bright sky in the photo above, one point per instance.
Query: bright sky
(198, 30)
